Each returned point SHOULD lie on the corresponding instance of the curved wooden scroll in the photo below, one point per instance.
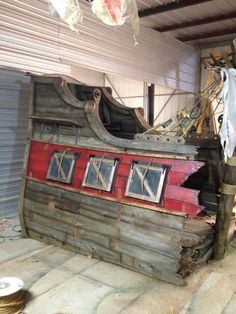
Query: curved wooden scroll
(63, 90)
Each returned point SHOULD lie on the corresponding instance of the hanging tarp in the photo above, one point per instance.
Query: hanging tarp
(228, 129)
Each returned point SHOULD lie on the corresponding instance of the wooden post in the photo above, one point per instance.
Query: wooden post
(151, 96)
(26, 157)
(226, 206)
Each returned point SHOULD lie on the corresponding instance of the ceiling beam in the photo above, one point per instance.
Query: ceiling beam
(173, 5)
(223, 32)
(207, 20)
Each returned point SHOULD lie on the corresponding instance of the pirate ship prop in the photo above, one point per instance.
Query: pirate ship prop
(99, 183)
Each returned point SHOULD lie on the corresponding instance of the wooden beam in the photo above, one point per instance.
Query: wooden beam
(207, 20)
(228, 31)
(151, 97)
(224, 215)
(170, 6)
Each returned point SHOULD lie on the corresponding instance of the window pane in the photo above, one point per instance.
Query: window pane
(100, 173)
(147, 186)
(61, 167)
(146, 182)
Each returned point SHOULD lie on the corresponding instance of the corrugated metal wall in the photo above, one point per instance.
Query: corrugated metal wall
(131, 91)
(14, 103)
(132, 94)
(87, 76)
(31, 39)
(172, 101)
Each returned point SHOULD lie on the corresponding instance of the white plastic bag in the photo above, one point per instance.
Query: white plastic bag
(228, 128)
(69, 11)
(117, 12)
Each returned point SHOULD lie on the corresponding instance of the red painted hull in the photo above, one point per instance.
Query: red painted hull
(176, 198)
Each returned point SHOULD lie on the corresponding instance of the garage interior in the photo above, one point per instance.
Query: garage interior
(182, 48)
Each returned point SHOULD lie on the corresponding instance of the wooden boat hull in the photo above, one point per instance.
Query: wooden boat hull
(156, 236)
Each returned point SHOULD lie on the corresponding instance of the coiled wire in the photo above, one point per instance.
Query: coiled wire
(12, 304)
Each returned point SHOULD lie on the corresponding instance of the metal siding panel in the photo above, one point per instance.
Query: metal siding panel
(33, 40)
(175, 104)
(131, 91)
(14, 102)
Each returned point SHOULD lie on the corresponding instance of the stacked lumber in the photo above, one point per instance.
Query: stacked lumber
(164, 246)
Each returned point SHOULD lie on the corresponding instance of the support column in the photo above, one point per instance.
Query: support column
(151, 98)
(224, 215)
(145, 101)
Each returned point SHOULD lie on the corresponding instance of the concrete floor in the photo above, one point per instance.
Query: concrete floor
(62, 282)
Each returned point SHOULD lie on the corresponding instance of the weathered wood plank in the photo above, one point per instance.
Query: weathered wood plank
(182, 237)
(149, 239)
(165, 262)
(50, 134)
(84, 246)
(48, 240)
(142, 237)
(45, 198)
(25, 164)
(77, 220)
(156, 271)
(139, 213)
(177, 259)
(138, 216)
(55, 120)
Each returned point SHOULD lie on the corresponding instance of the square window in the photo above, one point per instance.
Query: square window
(146, 181)
(100, 173)
(61, 166)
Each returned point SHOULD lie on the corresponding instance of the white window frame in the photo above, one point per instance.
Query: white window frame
(62, 155)
(103, 186)
(155, 197)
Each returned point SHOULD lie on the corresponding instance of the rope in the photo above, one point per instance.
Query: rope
(60, 164)
(165, 104)
(5, 225)
(12, 304)
(145, 173)
(99, 167)
(228, 189)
